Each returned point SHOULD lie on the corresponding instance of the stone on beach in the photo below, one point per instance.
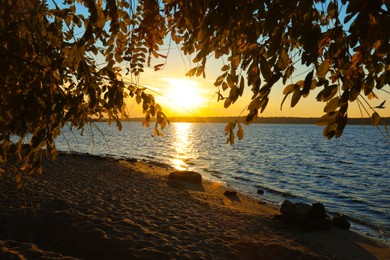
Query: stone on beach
(341, 221)
(186, 176)
(230, 193)
(306, 216)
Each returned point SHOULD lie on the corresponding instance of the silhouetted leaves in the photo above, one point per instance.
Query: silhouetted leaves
(49, 76)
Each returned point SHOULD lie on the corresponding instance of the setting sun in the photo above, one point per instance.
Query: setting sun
(183, 94)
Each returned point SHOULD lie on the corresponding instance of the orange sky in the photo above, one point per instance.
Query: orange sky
(183, 96)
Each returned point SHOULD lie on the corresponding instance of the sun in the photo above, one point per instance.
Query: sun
(183, 94)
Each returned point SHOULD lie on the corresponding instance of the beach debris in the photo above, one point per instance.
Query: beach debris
(230, 193)
(341, 221)
(304, 215)
(186, 176)
(261, 192)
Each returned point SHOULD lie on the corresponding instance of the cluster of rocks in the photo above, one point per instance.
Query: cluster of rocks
(311, 216)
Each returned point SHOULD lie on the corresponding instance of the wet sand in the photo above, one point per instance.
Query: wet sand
(91, 207)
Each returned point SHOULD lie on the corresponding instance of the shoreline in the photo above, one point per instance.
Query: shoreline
(86, 205)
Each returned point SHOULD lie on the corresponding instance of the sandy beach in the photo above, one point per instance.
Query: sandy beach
(88, 207)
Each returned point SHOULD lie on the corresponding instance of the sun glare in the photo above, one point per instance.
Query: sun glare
(183, 94)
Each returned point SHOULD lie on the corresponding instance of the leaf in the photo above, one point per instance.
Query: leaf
(240, 131)
(330, 131)
(375, 119)
(146, 123)
(230, 138)
(200, 71)
(307, 84)
(283, 60)
(19, 181)
(241, 88)
(332, 105)
(224, 86)
(323, 69)
(101, 19)
(225, 67)
(265, 69)
(229, 127)
(296, 96)
(191, 72)
(285, 97)
(220, 79)
(288, 89)
(313, 84)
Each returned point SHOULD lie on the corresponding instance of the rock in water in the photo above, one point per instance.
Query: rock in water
(187, 176)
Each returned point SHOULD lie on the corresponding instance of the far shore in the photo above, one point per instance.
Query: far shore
(261, 120)
(92, 207)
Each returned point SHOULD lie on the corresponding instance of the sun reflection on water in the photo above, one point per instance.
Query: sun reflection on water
(183, 145)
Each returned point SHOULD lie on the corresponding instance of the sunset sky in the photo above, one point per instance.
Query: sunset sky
(184, 96)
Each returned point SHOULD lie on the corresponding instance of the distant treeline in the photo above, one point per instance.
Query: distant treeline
(261, 120)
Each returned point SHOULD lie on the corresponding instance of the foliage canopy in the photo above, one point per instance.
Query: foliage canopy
(49, 75)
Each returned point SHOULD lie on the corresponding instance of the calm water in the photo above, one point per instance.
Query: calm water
(349, 175)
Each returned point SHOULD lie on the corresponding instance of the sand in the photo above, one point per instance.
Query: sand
(91, 207)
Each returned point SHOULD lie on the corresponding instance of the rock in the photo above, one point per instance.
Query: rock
(261, 192)
(305, 216)
(320, 223)
(186, 176)
(319, 210)
(230, 193)
(302, 209)
(287, 208)
(341, 221)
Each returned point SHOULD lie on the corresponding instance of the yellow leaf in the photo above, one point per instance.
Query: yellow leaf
(288, 89)
(229, 127)
(375, 119)
(323, 69)
(146, 123)
(296, 96)
(332, 105)
(240, 131)
(230, 138)
(228, 102)
(101, 19)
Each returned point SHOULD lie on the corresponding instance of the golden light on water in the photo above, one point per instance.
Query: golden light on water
(183, 145)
